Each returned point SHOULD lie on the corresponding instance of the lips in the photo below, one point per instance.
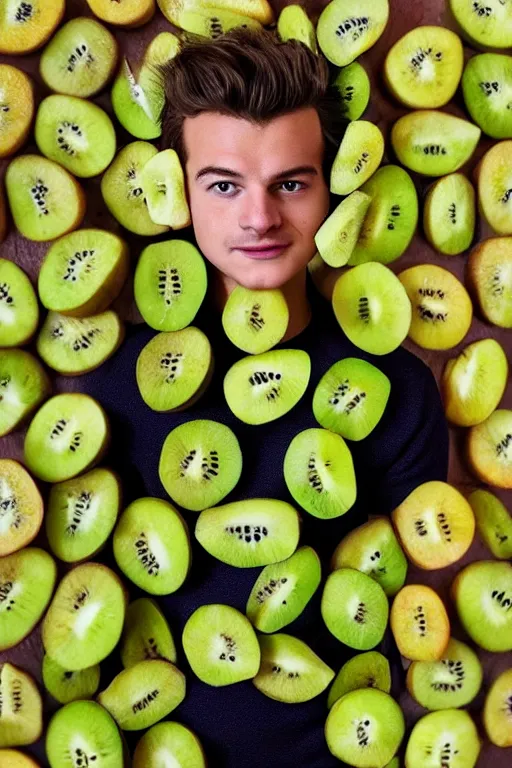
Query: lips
(263, 252)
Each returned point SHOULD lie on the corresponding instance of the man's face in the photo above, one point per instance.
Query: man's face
(242, 194)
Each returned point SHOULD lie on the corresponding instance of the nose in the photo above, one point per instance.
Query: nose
(259, 210)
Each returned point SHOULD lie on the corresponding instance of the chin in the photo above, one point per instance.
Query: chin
(265, 275)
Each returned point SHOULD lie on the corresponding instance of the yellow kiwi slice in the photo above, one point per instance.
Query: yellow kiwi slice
(26, 25)
(490, 277)
(255, 321)
(347, 28)
(449, 214)
(337, 237)
(19, 310)
(211, 22)
(445, 739)
(123, 13)
(260, 10)
(16, 108)
(13, 758)
(493, 522)
(484, 22)
(21, 507)
(419, 623)
(294, 24)
(358, 157)
(494, 178)
(489, 448)
(21, 713)
(163, 181)
(497, 714)
(24, 384)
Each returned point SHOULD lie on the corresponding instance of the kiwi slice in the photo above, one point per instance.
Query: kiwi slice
(436, 525)
(146, 634)
(449, 214)
(260, 10)
(423, 68)
(433, 143)
(366, 670)
(390, 222)
(487, 87)
(210, 22)
(66, 686)
(249, 533)
(493, 523)
(21, 507)
(19, 310)
(484, 22)
(451, 682)
(172, 742)
(68, 434)
(163, 182)
(290, 671)
(21, 713)
(200, 463)
(84, 621)
(495, 187)
(255, 320)
(81, 514)
(122, 189)
(319, 472)
(354, 608)
(374, 549)
(83, 733)
(419, 623)
(45, 200)
(129, 13)
(24, 384)
(16, 108)
(489, 268)
(80, 58)
(442, 310)
(13, 758)
(365, 728)
(337, 237)
(294, 24)
(262, 388)
(282, 590)
(26, 26)
(354, 87)
(358, 157)
(27, 579)
(170, 284)
(482, 592)
(221, 645)
(498, 710)
(368, 299)
(489, 449)
(347, 28)
(174, 369)
(448, 737)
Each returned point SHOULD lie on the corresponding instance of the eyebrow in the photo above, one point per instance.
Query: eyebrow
(298, 171)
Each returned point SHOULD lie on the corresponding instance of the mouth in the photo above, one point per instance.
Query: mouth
(263, 253)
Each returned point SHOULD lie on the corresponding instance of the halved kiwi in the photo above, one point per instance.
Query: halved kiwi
(163, 181)
(255, 320)
(66, 686)
(489, 269)
(420, 623)
(213, 22)
(21, 507)
(484, 22)
(354, 88)
(448, 737)
(358, 157)
(16, 108)
(146, 634)
(24, 384)
(19, 310)
(493, 522)
(347, 28)
(486, 86)
(494, 181)
(498, 710)
(82, 733)
(173, 742)
(365, 670)
(13, 758)
(294, 24)
(489, 449)
(337, 237)
(260, 10)
(25, 26)
(129, 13)
(449, 214)
(21, 713)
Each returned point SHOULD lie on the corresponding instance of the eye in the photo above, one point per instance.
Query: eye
(220, 186)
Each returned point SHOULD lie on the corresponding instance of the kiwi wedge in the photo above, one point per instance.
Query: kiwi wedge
(212, 23)
(337, 237)
(260, 10)
(487, 86)
(45, 200)
(484, 22)
(13, 758)
(319, 472)
(27, 579)
(255, 320)
(163, 181)
(262, 388)
(354, 608)
(419, 623)
(489, 267)
(493, 523)
(16, 108)
(358, 157)
(151, 546)
(354, 87)
(81, 514)
(290, 671)
(81, 733)
(172, 742)
(21, 507)
(451, 682)
(129, 13)
(489, 449)
(449, 214)
(24, 384)
(170, 284)
(84, 621)
(19, 310)
(495, 187)
(26, 26)
(498, 710)
(221, 645)
(249, 533)
(282, 590)
(66, 686)
(294, 24)
(368, 298)
(433, 143)
(373, 548)
(365, 670)
(348, 28)
(80, 58)
(448, 737)
(365, 728)
(21, 714)
(146, 634)
(200, 463)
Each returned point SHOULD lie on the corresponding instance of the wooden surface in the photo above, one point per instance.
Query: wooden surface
(383, 110)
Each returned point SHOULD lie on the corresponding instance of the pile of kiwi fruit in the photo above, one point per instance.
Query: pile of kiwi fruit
(62, 503)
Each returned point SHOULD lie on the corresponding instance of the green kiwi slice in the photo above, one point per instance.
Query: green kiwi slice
(358, 157)
(354, 608)
(487, 86)
(319, 472)
(146, 634)
(433, 143)
(337, 237)
(83, 272)
(282, 590)
(366, 300)
(66, 686)
(80, 58)
(21, 507)
(449, 214)
(27, 579)
(489, 449)
(213, 22)
(200, 463)
(172, 742)
(354, 87)
(482, 592)
(81, 514)
(249, 533)
(163, 181)
(81, 733)
(484, 22)
(84, 621)
(447, 737)
(221, 645)
(24, 384)
(25, 26)
(21, 713)
(19, 310)
(489, 267)
(17, 107)
(365, 670)
(493, 522)
(255, 320)
(290, 671)
(68, 434)
(262, 388)
(373, 548)
(46, 201)
(294, 24)
(498, 709)
(365, 728)
(347, 28)
(420, 623)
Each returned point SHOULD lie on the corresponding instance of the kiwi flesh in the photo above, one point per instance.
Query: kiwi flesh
(66, 686)
(493, 522)
(358, 157)
(354, 88)
(21, 507)
(498, 710)
(485, 23)
(495, 187)
(486, 87)
(83, 733)
(337, 237)
(448, 737)
(146, 634)
(163, 181)
(21, 713)
(420, 623)
(260, 10)
(348, 28)
(24, 27)
(294, 23)
(24, 384)
(13, 758)
(489, 449)
(488, 272)
(449, 214)
(16, 108)
(129, 13)
(19, 309)
(200, 463)
(365, 670)
(172, 742)
(249, 533)
(255, 320)
(212, 23)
